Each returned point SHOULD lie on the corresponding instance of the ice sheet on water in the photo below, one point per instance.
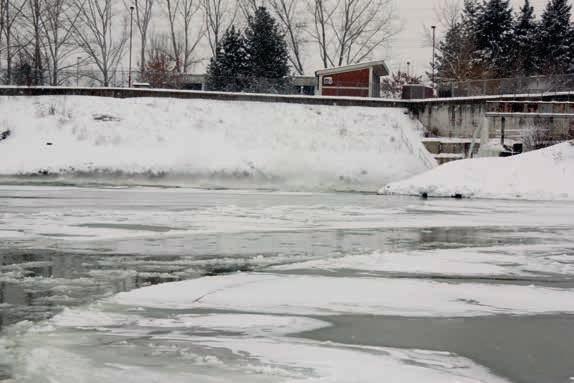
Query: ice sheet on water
(163, 346)
(52, 214)
(494, 261)
(289, 294)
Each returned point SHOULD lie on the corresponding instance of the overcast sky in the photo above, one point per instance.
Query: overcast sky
(409, 44)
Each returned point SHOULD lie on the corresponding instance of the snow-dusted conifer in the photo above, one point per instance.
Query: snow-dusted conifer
(493, 37)
(227, 69)
(555, 40)
(524, 54)
(266, 49)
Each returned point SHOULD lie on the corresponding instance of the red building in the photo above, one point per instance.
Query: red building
(357, 80)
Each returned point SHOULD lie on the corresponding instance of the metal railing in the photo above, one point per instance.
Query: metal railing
(511, 86)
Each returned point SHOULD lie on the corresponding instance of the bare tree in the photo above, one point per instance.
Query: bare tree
(185, 35)
(172, 8)
(30, 42)
(447, 14)
(290, 16)
(189, 9)
(58, 23)
(2, 22)
(12, 10)
(143, 15)
(321, 21)
(350, 31)
(219, 16)
(96, 36)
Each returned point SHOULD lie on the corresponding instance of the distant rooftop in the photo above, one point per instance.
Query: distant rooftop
(380, 67)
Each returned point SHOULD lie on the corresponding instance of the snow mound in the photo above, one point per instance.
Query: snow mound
(546, 174)
(210, 143)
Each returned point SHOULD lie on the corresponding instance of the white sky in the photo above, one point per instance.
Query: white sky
(409, 45)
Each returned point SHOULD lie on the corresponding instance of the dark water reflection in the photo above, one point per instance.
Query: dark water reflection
(36, 284)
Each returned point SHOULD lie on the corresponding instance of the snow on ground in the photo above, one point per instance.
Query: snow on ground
(493, 261)
(546, 174)
(289, 294)
(206, 141)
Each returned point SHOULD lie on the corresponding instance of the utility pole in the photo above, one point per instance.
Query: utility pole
(131, 38)
(433, 54)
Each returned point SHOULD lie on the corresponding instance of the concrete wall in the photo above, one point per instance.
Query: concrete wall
(460, 117)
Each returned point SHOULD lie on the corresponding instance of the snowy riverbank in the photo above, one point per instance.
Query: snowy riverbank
(546, 174)
(210, 143)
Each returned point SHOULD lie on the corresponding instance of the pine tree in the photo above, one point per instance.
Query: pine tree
(457, 55)
(555, 38)
(493, 37)
(454, 57)
(470, 16)
(267, 55)
(524, 34)
(227, 70)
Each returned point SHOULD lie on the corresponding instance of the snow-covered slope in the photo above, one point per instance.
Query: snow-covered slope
(205, 142)
(545, 174)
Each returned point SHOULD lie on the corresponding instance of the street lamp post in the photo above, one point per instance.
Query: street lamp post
(131, 38)
(433, 54)
(408, 68)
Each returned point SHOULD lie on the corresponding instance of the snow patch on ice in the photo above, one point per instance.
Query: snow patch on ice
(519, 260)
(166, 351)
(546, 174)
(290, 294)
(252, 324)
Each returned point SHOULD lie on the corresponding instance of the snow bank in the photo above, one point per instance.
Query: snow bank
(546, 174)
(206, 142)
(289, 294)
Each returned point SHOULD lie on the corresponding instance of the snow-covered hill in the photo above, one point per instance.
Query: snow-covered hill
(545, 174)
(208, 143)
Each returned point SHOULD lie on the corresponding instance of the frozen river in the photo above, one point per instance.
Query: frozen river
(139, 284)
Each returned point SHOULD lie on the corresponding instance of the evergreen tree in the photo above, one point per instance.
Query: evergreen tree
(455, 53)
(470, 16)
(555, 39)
(227, 70)
(267, 55)
(524, 35)
(493, 37)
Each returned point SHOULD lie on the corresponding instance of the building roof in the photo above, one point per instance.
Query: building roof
(380, 68)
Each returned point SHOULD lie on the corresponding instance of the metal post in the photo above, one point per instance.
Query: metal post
(77, 71)
(131, 37)
(433, 54)
(408, 69)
